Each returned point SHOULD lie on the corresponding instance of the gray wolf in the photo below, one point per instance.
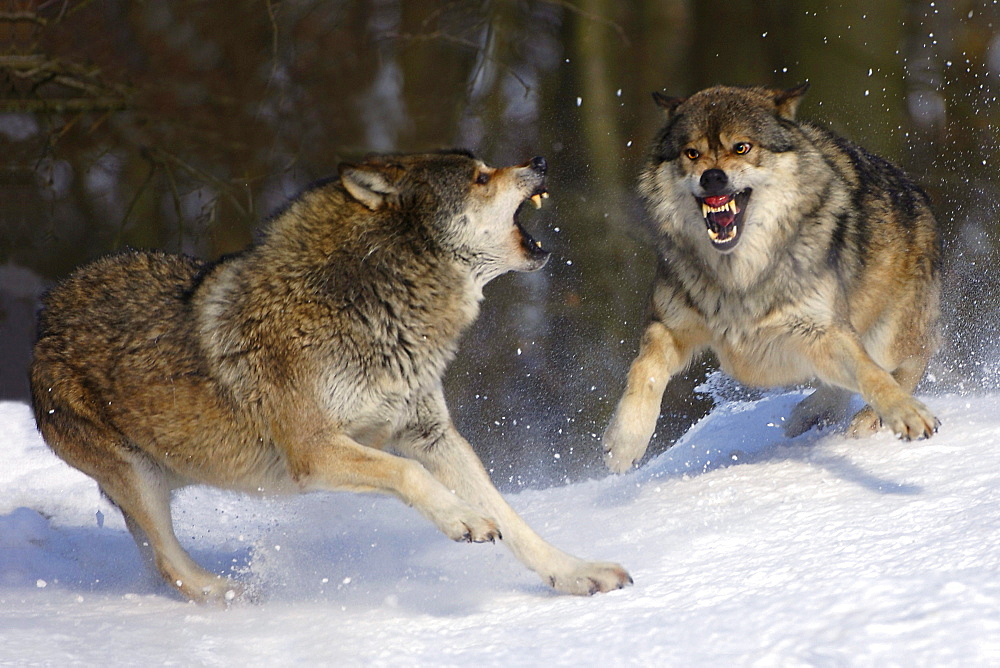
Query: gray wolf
(793, 254)
(310, 361)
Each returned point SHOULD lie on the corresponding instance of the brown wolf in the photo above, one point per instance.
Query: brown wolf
(311, 361)
(794, 255)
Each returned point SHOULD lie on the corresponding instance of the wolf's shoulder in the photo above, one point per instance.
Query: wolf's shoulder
(863, 169)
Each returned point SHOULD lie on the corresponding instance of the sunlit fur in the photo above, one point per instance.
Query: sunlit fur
(311, 361)
(834, 277)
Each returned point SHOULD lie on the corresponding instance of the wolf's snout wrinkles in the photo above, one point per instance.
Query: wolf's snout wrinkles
(714, 181)
(539, 165)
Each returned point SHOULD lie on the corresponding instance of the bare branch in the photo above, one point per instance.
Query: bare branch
(134, 201)
(566, 4)
(222, 187)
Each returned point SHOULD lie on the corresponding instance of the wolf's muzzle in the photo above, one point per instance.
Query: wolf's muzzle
(722, 209)
(714, 182)
(537, 256)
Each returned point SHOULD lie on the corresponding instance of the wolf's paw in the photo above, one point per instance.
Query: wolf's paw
(468, 526)
(911, 419)
(908, 419)
(477, 530)
(213, 590)
(452, 516)
(864, 423)
(623, 447)
(589, 577)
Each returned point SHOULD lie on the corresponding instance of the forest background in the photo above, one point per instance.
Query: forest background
(182, 125)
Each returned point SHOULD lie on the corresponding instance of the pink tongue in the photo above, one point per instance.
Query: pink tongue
(717, 200)
(722, 218)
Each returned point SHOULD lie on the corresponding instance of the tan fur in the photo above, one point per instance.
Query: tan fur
(832, 276)
(311, 361)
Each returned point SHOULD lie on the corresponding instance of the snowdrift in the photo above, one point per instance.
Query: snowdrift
(747, 548)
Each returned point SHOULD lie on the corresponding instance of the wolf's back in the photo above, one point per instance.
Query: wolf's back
(122, 313)
(118, 290)
(889, 213)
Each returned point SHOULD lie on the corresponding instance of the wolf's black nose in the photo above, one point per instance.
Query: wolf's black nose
(714, 182)
(538, 164)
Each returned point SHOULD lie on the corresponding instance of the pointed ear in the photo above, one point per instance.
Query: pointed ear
(668, 104)
(369, 184)
(787, 101)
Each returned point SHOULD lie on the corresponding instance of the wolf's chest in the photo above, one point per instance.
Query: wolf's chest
(767, 348)
(379, 392)
(762, 361)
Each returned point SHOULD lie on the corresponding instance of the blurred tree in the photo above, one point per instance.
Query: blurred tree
(180, 125)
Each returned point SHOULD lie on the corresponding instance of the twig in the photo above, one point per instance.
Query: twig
(221, 186)
(178, 209)
(593, 17)
(132, 204)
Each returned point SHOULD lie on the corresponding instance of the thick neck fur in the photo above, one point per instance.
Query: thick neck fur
(354, 292)
(776, 248)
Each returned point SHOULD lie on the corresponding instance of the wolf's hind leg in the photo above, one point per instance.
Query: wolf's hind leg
(141, 491)
(136, 485)
(827, 405)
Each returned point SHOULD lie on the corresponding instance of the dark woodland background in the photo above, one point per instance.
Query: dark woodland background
(181, 125)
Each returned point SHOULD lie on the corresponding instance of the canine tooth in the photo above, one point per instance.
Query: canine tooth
(537, 201)
(705, 210)
(538, 243)
(715, 237)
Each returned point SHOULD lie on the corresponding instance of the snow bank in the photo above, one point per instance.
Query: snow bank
(746, 548)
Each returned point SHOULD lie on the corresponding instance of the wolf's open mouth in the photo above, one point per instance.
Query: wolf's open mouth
(532, 248)
(537, 198)
(724, 217)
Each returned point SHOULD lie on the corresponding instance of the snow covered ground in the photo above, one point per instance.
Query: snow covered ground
(746, 549)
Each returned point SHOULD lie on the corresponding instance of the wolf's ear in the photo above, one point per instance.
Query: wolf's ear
(668, 104)
(787, 101)
(369, 184)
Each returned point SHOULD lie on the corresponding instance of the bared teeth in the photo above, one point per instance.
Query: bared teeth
(728, 206)
(714, 236)
(536, 199)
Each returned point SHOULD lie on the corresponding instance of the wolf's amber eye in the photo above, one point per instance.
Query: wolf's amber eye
(482, 178)
(742, 148)
(692, 153)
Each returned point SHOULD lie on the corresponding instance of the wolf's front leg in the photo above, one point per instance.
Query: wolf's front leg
(840, 359)
(337, 463)
(436, 444)
(661, 355)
